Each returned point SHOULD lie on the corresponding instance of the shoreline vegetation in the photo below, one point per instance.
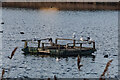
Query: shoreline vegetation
(65, 5)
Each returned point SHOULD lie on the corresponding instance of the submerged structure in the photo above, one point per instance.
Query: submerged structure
(71, 48)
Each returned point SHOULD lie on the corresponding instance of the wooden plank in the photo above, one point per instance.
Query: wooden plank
(35, 40)
(39, 44)
(46, 51)
(25, 44)
(63, 39)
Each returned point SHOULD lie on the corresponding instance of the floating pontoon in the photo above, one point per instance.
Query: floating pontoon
(54, 49)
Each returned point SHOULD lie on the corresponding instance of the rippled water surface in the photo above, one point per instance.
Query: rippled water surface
(102, 26)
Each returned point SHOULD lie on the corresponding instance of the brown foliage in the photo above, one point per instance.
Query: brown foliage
(105, 70)
(12, 54)
(78, 62)
(3, 72)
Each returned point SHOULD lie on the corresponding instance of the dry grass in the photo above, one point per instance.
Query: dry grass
(13, 52)
(78, 62)
(105, 70)
(3, 72)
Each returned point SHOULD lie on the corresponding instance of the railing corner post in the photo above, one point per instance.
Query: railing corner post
(25, 44)
(93, 45)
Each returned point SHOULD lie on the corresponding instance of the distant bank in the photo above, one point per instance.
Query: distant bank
(65, 5)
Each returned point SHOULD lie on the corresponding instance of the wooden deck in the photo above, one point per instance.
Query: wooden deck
(55, 49)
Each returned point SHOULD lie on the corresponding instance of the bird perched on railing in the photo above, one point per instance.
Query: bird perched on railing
(34, 39)
(50, 40)
(86, 39)
(89, 39)
(74, 36)
(81, 39)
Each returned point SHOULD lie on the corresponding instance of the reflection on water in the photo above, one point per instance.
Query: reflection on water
(49, 9)
(102, 26)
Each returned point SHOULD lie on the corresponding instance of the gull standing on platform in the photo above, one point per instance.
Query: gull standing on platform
(74, 36)
(81, 39)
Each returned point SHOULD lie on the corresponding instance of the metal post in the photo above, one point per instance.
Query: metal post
(38, 43)
(56, 41)
(42, 46)
(58, 47)
(66, 46)
(73, 43)
(25, 44)
(80, 45)
(93, 45)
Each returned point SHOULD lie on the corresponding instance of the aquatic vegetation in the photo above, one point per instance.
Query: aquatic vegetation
(78, 62)
(106, 69)
(12, 54)
(3, 72)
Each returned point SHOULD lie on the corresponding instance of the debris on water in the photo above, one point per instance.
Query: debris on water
(13, 66)
(1, 31)
(105, 56)
(28, 69)
(88, 73)
(114, 55)
(21, 67)
(25, 77)
(2, 22)
(21, 32)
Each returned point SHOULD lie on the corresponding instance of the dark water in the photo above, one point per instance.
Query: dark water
(101, 26)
